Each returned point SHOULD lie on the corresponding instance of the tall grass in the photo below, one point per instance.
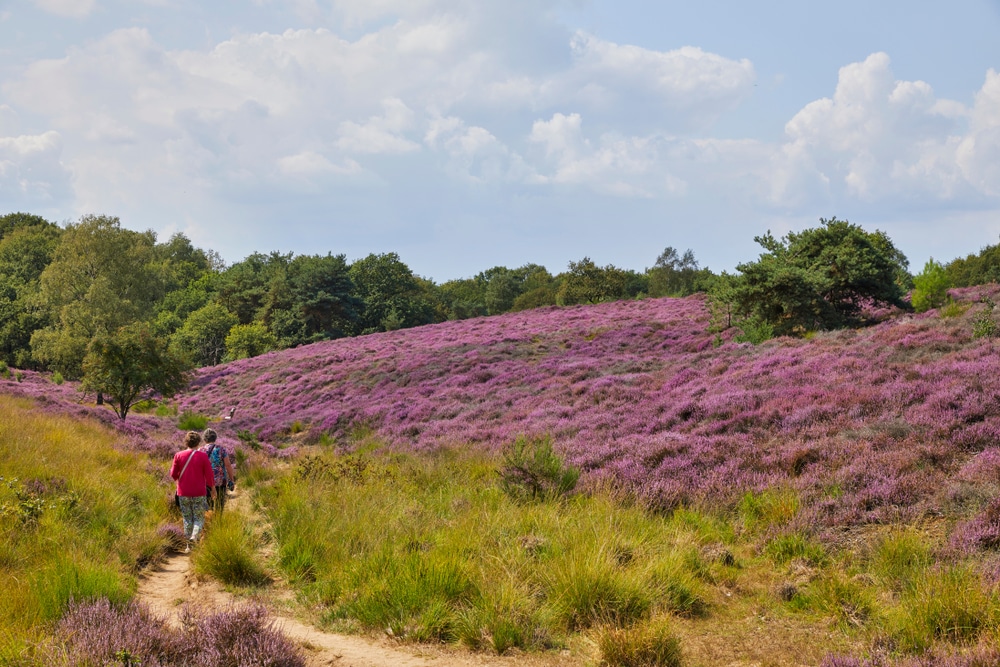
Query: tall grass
(229, 552)
(77, 519)
(432, 547)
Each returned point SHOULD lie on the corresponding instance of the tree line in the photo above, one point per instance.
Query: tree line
(75, 298)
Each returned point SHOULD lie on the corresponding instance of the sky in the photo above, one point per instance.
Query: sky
(467, 134)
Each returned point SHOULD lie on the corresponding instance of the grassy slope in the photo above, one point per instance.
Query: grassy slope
(77, 518)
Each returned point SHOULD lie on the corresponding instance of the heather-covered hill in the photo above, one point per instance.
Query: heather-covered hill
(892, 422)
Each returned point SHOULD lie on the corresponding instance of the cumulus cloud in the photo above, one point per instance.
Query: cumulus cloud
(465, 96)
(879, 137)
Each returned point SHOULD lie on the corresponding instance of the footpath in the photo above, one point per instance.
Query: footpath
(172, 583)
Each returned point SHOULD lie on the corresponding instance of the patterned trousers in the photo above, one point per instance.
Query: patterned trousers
(193, 510)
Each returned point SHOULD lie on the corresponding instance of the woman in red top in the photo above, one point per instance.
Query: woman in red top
(193, 472)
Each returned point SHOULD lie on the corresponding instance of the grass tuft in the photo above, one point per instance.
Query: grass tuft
(229, 552)
(651, 644)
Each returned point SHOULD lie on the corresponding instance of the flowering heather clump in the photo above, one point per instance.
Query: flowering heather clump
(866, 425)
(237, 636)
(98, 633)
(980, 656)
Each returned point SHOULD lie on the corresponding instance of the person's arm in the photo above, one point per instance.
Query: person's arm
(230, 473)
(206, 466)
(175, 470)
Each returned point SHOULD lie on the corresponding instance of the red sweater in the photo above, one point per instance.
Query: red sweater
(198, 475)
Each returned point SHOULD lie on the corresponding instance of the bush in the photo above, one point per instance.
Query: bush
(101, 633)
(648, 645)
(531, 469)
(57, 378)
(191, 421)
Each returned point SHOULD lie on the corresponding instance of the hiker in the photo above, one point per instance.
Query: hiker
(193, 472)
(222, 468)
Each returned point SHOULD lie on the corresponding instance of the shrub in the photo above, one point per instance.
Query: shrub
(57, 378)
(648, 645)
(165, 410)
(192, 421)
(531, 469)
(102, 633)
(248, 438)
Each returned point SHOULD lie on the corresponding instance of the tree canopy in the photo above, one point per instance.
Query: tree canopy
(820, 278)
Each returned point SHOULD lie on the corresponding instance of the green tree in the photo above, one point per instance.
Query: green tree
(820, 278)
(132, 364)
(100, 278)
(203, 336)
(390, 293)
(978, 269)
(462, 299)
(323, 295)
(25, 251)
(930, 287)
(249, 340)
(676, 275)
(585, 282)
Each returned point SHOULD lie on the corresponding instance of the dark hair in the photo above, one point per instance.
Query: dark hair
(192, 439)
(209, 435)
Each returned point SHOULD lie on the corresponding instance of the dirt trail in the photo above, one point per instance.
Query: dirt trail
(172, 583)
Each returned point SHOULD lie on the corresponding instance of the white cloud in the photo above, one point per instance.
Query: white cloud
(31, 174)
(67, 8)
(380, 134)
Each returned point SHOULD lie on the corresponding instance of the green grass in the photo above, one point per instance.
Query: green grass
(229, 552)
(77, 520)
(433, 547)
(648, 645)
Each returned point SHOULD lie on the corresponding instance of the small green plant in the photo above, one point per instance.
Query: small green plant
(296, 427)
(248, 438)
(144, 406)
(192, 421)
(984, 326)
(531, 469)
(57, 378)
(953, 309)
(648, 645)
(4, 370)
(19, 376)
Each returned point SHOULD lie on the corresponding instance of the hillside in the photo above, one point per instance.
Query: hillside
(889, 423)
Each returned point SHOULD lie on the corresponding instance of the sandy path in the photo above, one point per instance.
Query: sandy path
(172, 583)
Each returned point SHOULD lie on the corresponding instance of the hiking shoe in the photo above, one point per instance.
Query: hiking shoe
(187, 548)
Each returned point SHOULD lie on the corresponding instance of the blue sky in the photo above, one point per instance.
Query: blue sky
(465, 134)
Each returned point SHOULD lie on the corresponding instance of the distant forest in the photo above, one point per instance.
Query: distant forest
(63, 289)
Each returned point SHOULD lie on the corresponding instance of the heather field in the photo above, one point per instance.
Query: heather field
(893, 423)
(830, 500)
